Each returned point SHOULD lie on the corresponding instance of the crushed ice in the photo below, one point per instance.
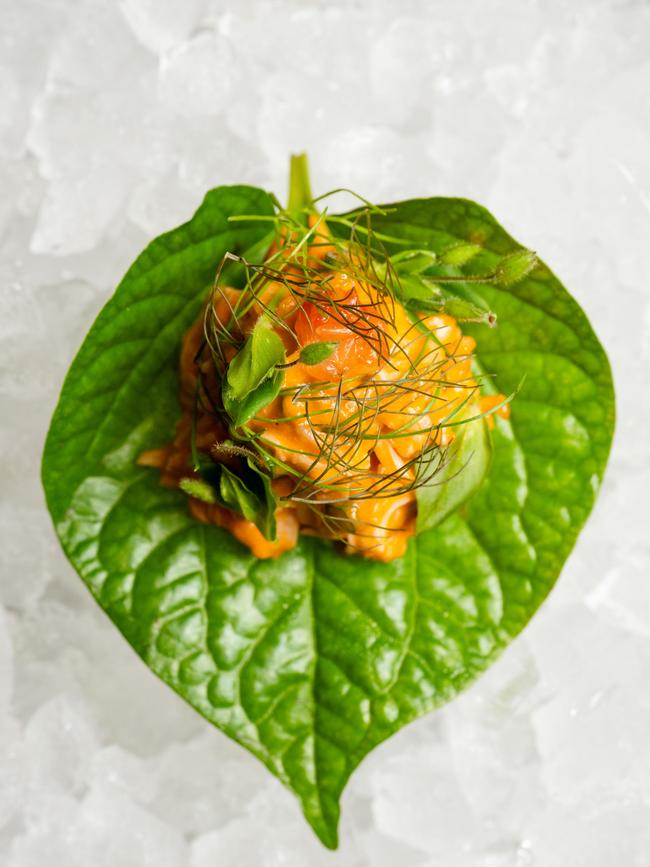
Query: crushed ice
(114, 119)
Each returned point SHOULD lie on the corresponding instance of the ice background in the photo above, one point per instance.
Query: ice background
(115, 117)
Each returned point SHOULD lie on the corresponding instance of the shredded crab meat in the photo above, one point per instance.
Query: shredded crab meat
(349, 438)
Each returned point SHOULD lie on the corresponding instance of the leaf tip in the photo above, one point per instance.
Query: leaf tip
(326, 829)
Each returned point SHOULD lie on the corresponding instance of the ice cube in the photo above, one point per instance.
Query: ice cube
(64, 643)
(104, 829)
(591, 731)
(195, 77)
(113, 766)
(618, 834)
(115, 118)
(48, 838)
(205, 782)
(60, 739)
(160, 24)
(272, 834)
(92, 172)
(6, 663)
(28, 553)
(417, 800)
(13, 761)
(494, 745)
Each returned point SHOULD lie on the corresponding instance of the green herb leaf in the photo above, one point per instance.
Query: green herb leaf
(256, 360)
(513, 268)
(462, 302)
(242, 411)
(459, 254)
(461, 474)
(251, 496)
(248, 493)
(261, 483)
(252, 378)
(413, 261)
(315, 353)
(236, 496)
(199, 489)
(311, 660)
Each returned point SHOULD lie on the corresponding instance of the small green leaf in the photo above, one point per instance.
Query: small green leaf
(268, 499)
(459, 254)
(413, 261)
(242, 411)
(236, 496)
(513, 268)
(247, 492)
(252, 378)
(419, 292)
(457, 300)
(315, 353)
(462, 471)
(256, 360)
(199, 489)
(250, 494)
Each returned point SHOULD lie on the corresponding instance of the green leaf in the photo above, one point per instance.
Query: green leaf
(241, 411)
(236, 496)
(255, 361)
(514, 267)
(459, 300)
(252, 498)
(261, 483)
(413, 261)
(315, 353)
(461, 474)
(198, 489)
(459, 254)
(252, 378)
(248, 492)
(311, 660)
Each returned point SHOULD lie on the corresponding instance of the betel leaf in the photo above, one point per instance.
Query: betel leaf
(311, 660)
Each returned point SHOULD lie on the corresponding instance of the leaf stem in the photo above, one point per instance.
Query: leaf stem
(300, 194)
